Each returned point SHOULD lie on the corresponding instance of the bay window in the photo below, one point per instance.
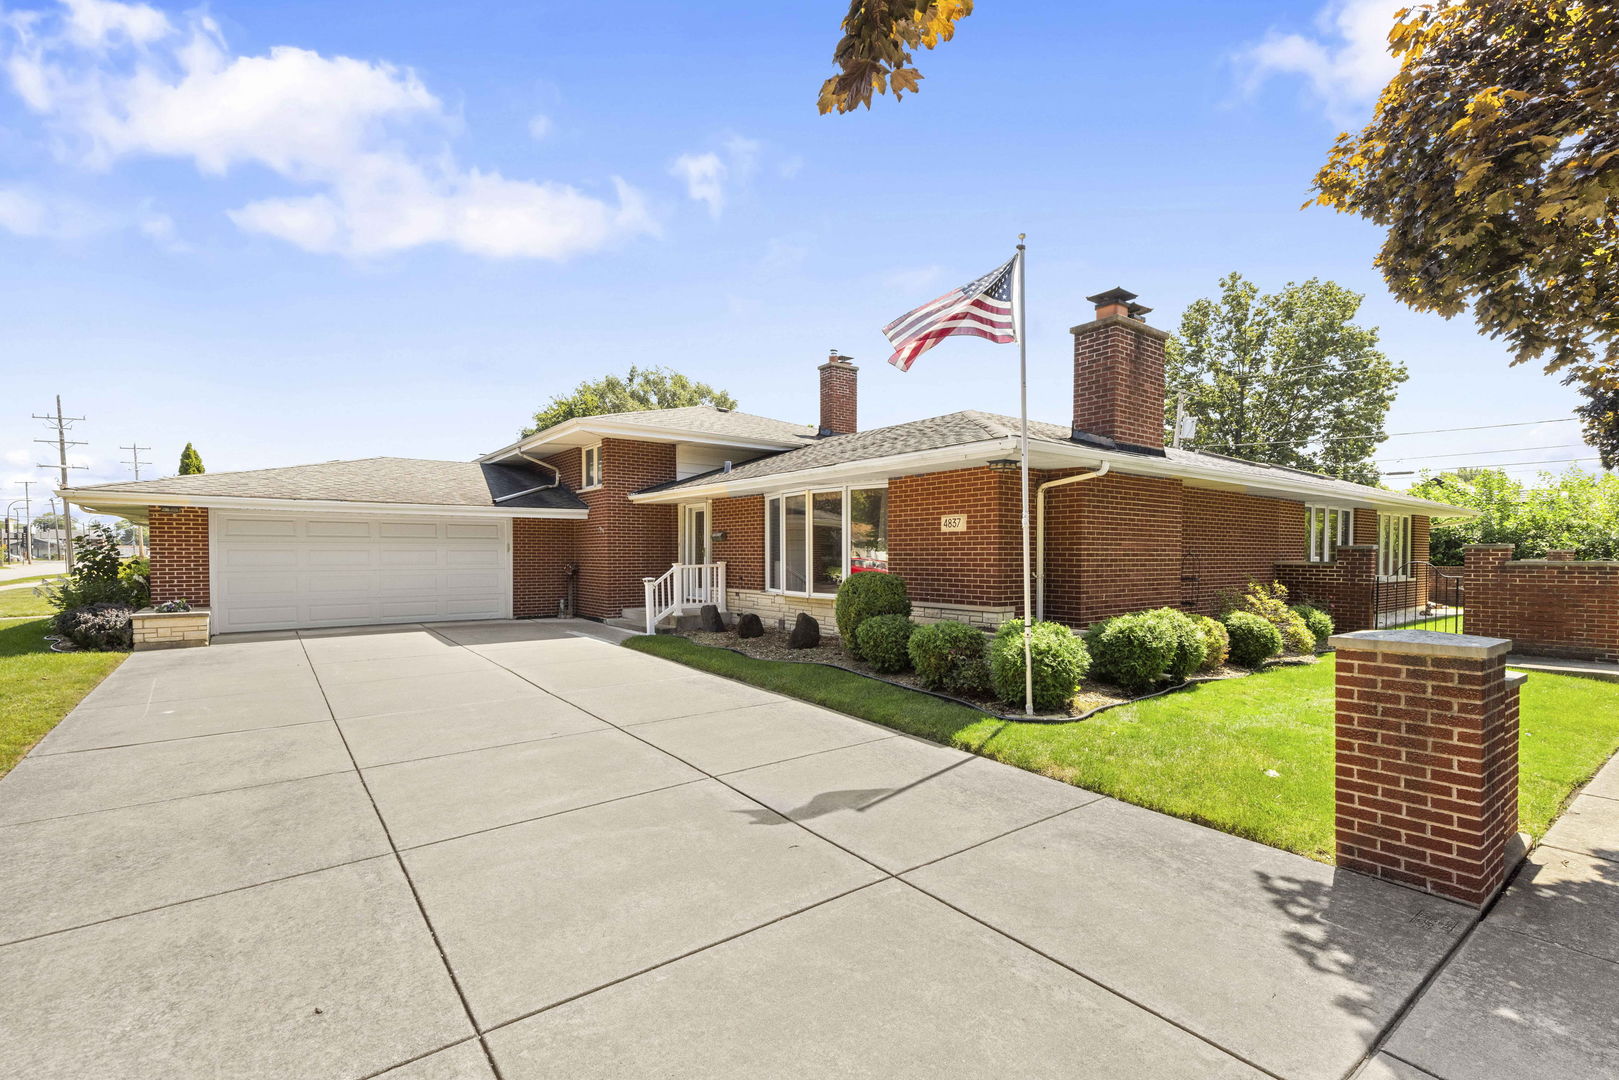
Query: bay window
(813, 539)
(1393, 546)
(1329, 529)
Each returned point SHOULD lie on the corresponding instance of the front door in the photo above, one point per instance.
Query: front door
(694, 553)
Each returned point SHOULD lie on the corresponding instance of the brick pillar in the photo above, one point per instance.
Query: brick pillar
(1359, 563)
(177, 542)
(1427, 760)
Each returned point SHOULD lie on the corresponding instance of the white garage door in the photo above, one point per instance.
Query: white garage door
(280, 571)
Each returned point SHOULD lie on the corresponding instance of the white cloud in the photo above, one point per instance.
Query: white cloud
(364, 138)
(539, 126)
(704, 175)
(18, 457)
(1346, 62)
(711, 176)
(36, 214)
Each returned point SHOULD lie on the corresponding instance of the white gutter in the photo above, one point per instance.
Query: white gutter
(120, 501)
(556, 478)
(1040, 533)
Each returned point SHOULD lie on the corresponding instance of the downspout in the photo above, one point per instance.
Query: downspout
(1040, 533)
(556, 479)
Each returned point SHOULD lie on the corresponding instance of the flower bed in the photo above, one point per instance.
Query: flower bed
(1093, 695)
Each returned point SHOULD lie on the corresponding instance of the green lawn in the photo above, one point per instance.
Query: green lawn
(1443, 623)
(1204, 754)
(39, 687)
(22, 603)
(29, 580)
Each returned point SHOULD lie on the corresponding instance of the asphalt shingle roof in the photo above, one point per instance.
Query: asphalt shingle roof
(970, 426)
(707, 418)
(370, 480)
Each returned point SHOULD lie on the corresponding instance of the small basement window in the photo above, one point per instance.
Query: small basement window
(1329, 529)
(590, 468)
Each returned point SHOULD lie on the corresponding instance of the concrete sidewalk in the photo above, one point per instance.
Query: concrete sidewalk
(431, 852)
(1533, 991)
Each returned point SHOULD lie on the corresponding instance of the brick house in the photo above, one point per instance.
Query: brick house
(769, 516)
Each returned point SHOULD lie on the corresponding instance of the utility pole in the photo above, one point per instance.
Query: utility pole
(28, 522)
(62, 424)
(135, 463)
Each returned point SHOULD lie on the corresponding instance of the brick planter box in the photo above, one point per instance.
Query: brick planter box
(170, 629)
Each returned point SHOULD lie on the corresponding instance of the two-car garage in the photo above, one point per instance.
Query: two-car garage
(273, 571)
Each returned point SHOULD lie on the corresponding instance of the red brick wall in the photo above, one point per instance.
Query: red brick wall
(179, 552)
(978, 566)
(1549, 607)
(840, 412)
(1119, 380)
(743, 523)
(1113, 545)
(621, 542)
(1344, 588)
(541, 552)
(1229, 539)
(1427, 768)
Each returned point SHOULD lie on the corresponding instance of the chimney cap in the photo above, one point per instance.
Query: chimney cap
(838, 358)
(1116, 295)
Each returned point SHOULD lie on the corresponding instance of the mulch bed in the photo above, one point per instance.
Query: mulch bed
(1093, 695)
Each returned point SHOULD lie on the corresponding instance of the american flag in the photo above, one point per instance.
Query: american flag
(981, 308)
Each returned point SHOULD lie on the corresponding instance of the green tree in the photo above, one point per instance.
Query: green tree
(1577, 509)
(1600, 418)
(1286, 378)
(190, 461)
(48, 521)
(1492, 160)
(874, 54)
(641, 389)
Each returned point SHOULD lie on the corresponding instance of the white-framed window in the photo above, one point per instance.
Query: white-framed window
(815, 538)
(1329, 529)
(1394, 546)
(590, 467)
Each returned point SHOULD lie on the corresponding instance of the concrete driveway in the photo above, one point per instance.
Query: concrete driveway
(462, 851)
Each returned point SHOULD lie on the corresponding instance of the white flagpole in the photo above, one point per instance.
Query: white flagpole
(1023, 462)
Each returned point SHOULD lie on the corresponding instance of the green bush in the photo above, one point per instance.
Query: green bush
(1138, 649)
(1093, 645)
(1060, 661)
(1269, 602)
(1253, 639)
(866, 594)
(97, 627)
(1318, 621)
(99, 575)
(952, 657)
(1216, 642)
(883, 641)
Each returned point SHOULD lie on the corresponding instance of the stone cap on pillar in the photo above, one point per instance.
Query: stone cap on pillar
(1422, 643)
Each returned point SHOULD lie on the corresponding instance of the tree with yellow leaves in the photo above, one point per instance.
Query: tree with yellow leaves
(874, 56)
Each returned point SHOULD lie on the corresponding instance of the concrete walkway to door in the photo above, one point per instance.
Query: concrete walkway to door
(470, 850)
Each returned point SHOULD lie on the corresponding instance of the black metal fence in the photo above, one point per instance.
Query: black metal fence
(1424, 597)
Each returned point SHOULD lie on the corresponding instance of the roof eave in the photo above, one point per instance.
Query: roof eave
(122, 502)
(562, 434)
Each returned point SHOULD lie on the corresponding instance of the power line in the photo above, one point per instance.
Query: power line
(1390, 435)
(1470, 453)
(62, 424)
(1502, 465)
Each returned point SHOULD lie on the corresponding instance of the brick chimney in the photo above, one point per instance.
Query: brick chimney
(1119, 373)
(839, 397)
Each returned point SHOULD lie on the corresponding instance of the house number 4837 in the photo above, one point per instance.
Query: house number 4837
(953, 523)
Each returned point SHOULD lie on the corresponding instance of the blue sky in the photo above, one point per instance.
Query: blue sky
(295, 232)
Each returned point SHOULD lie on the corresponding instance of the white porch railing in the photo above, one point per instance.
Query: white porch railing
(681, 586)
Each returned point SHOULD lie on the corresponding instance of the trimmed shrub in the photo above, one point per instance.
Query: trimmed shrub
(1059, 658)
(1216, 642)
(1318, 621)
(1253, 639)
(1138, 649)
(1269, 602)
(1093, 645)
(952, 657)
(863, 595)
(97, 627)
(884, 641)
